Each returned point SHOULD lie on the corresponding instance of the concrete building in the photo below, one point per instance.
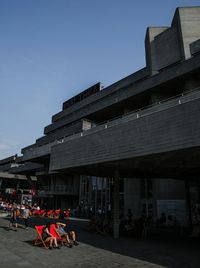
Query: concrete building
(143, 128)
(17, 187)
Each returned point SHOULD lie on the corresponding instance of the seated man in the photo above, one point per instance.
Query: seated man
(60, 228)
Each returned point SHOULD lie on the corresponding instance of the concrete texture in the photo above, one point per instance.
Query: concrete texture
(172, 129)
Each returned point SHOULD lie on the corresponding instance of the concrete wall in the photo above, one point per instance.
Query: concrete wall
(155, 133)
(190, 25)
(162, 47)
(64, 131)
(195, 47)
(150, 47)
(166, 46)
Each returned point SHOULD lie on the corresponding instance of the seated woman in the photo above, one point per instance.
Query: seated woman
(48, 237)
(64, 231)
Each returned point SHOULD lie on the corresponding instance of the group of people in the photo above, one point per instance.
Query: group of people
(100, 224)
(16, 213)
(26, 211)
(138, 227)
(63, 231)
(129, 225)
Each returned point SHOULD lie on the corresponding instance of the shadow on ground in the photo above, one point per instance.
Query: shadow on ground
(163, 249)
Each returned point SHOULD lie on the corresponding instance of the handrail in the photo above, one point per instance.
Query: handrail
(151, 105)
(136, 112)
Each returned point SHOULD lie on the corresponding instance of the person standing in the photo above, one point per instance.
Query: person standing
(26, 216)
(13, 219)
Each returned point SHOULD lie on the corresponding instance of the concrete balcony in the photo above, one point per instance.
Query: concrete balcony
(25, 168)
(37, 152)
(58, 190)
(140, 140)
(40, 150)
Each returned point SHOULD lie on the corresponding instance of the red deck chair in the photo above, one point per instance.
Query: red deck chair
(39, 240)
(50, 213)
(55, 234)
(42, 212)
(36, 213)
(67, 213)
(57, 213)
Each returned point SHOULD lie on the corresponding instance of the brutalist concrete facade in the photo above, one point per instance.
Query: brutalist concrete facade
(144, 126)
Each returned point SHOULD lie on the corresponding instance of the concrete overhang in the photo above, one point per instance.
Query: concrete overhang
(26, 168)
(180, 165)
(5, 175)
(162, 143)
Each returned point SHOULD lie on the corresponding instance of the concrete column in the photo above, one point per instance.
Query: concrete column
(116, 206)
(188, 200)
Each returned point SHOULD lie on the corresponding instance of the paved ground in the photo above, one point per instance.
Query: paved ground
(17, 250)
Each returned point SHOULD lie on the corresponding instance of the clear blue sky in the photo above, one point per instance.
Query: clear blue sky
(51, 50)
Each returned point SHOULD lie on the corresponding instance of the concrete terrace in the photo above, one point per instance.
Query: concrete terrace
(17, 250)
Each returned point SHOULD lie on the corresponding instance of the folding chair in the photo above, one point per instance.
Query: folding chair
(50, 213)
(67, 213)
(39, 240)
(36, 213)
(56, 234)
(42, 212)
(57, 213)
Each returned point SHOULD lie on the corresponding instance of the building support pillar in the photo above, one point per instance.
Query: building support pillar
(188, 200)
(116, 206)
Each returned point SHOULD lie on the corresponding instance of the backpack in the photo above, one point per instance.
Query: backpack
(18, 213)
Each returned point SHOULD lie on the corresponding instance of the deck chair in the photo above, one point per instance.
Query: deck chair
(42, 212)
(55, 234)
(39, 240)
(50, 213)
(67, 213)
(57, 213)
(36, 213)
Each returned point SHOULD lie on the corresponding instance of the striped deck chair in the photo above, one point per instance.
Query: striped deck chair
(39, 240)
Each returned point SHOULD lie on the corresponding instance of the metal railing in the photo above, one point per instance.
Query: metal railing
(59, 189)
(135, 114)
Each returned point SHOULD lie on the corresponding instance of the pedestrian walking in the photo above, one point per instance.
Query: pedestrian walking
(26, 216)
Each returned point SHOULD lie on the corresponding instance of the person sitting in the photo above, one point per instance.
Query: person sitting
(69, 232)
(48, 237)
(61, 232)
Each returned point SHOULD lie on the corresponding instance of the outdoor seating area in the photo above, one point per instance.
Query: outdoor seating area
(35, 211)
(40, 241)
(54, 214)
